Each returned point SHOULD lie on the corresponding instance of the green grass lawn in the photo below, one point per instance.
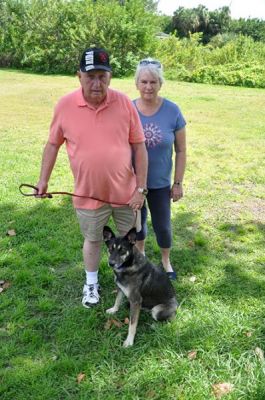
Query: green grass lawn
(47, 338)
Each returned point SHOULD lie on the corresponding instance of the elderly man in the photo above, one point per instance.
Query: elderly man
(102, 133)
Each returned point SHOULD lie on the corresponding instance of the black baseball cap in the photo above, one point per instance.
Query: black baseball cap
(95, 58)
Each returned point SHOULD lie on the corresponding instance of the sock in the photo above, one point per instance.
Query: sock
(91, 277)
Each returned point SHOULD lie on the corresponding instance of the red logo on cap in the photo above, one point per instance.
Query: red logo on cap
(103, 57)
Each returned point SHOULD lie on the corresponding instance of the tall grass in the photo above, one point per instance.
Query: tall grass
(48, 338)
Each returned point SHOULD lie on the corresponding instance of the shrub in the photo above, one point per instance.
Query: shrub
(239, 61)
(231, 74)
(49, 37)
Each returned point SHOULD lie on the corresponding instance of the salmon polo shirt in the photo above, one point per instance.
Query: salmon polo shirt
(98, 143)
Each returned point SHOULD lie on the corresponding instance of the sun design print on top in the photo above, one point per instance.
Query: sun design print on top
(152, 134)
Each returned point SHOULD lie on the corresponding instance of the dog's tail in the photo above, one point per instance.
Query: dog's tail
(164, 312)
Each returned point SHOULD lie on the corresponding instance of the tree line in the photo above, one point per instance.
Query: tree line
(49, 36)
(186, 21)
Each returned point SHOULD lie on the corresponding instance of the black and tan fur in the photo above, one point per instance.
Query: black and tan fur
(145, 285)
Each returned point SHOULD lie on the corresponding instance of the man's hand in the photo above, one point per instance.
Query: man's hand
(48, 160)
(42, 190)
(137, 200)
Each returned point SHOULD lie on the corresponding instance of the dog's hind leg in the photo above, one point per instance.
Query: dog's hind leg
(117, 303)
(134, 317)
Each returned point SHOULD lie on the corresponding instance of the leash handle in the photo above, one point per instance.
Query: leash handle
(45, 195)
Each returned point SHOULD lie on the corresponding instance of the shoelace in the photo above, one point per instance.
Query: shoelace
(91, 291)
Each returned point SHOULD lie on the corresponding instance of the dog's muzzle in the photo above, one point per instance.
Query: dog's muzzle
(113, 265)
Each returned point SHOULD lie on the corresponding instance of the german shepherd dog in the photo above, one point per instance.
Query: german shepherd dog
(144, 285)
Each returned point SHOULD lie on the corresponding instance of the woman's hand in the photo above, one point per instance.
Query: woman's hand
(176, 191)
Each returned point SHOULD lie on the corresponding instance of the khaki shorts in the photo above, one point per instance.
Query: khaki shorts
(92, 221)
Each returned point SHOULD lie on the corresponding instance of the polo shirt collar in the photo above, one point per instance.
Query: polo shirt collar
(81, 102)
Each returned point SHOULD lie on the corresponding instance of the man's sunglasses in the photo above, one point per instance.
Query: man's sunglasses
(151, 62)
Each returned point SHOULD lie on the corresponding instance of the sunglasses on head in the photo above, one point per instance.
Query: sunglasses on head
(151, 62)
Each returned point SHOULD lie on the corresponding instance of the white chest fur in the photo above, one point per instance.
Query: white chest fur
(124, 289)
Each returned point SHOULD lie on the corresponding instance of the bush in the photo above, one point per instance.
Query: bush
(239, 61)
(173, 52)
(179, 73)
(231, 74)
(49, 37)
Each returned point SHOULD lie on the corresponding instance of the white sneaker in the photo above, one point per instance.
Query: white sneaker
(90, 295)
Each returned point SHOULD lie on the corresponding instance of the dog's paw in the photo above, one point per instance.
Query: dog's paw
(111, 310)
(128, 342)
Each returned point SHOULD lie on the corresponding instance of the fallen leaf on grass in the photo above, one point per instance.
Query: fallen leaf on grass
(11, 232)
(118, 324)
(111, 322)
(126, 321)
(192, 355)
(260, 354)
(107, 325)
(4, 285)
(192, 279)
(220, 389)
(80, 377)
(151, 394)
(248, 334)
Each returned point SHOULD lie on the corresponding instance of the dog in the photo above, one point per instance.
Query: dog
(145, 285)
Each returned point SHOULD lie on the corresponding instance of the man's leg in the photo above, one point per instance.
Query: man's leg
(91, 224)
(124, 218)
(91, 255)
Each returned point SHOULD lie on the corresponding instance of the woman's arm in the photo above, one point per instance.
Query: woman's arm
(180, 164)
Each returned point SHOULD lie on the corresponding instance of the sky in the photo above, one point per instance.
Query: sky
(238, 8)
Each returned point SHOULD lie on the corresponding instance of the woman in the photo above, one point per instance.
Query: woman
(164, 128)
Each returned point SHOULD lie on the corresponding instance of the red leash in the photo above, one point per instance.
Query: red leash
(50, 195)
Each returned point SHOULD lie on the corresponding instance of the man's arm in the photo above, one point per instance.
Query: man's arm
(48, 160)
(140, 164)
(140, 161)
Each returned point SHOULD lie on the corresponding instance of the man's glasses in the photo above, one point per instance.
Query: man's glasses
(151, 62)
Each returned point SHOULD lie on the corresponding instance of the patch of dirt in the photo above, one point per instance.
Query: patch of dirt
(254, 207)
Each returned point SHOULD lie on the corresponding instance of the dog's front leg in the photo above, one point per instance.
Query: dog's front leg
(134, 317)
(117, 303)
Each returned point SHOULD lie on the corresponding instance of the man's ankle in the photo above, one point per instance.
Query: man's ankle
(91, 277)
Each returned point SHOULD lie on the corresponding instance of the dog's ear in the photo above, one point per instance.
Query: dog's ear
(107, 234)
(131, 236)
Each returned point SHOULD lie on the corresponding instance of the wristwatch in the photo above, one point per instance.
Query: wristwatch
(143, 191)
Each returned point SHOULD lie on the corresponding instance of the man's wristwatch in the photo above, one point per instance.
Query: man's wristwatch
(177, 183)
(143, 191)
